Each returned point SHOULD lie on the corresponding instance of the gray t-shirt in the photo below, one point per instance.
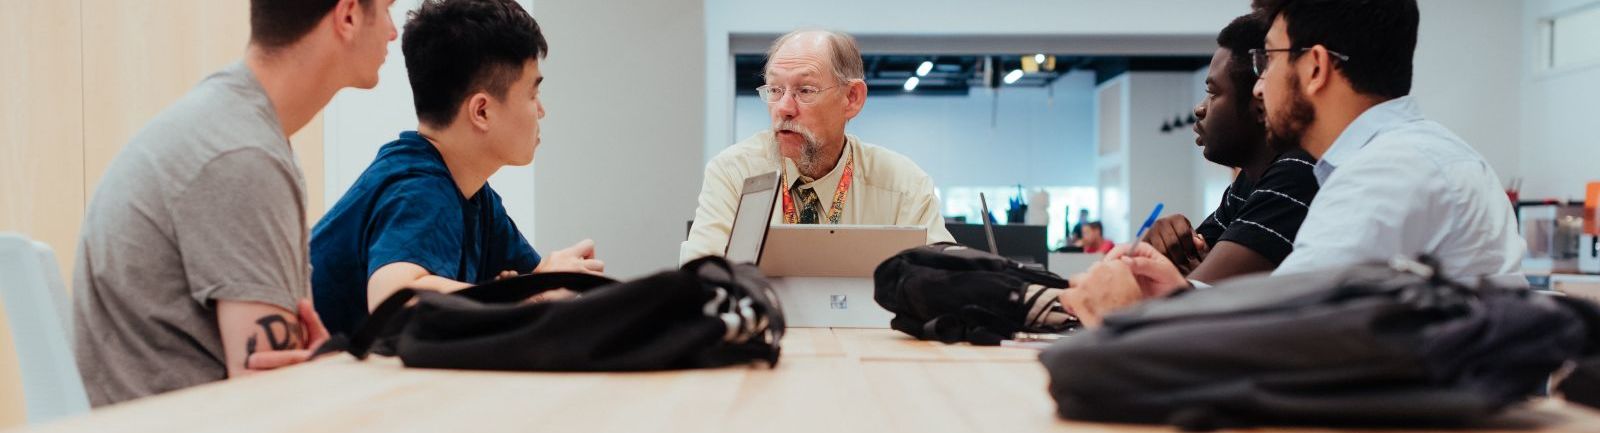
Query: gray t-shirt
(205, 203)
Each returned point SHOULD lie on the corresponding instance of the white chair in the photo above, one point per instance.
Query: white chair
(37, 309)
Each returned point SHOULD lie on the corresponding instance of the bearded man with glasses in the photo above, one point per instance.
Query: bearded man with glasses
(814, 86)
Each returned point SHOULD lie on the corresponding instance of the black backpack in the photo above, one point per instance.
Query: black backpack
(1381, 345)
(953, 293)
(710, 313)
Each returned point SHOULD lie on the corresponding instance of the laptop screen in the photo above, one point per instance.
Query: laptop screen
(750, 221)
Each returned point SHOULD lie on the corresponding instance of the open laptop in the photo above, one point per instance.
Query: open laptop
(790, 250)
(826, 290)
(825, 250)
(750, 220)
(823, 273)
(1022, 243)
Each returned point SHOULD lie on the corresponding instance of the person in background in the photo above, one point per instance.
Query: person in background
(1077, 230)
(193, 265)
(1094, 240)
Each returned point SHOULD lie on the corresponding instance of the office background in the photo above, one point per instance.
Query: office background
(640, 94)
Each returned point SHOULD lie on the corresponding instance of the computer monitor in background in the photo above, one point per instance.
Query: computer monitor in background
(1023, 243)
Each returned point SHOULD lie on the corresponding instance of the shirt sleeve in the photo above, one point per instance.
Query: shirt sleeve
(516, 254)
(417, 220)
(1361, 212)
(240, 224)
(1271, 216)
(713, 218)
(924, 211)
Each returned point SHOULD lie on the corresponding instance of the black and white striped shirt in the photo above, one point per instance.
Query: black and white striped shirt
(1265, 215)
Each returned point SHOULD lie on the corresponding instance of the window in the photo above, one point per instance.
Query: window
(1573, 38)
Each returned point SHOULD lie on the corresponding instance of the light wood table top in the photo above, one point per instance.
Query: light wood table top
(829, 380)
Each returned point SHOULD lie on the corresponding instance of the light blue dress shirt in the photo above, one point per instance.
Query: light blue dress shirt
(1396, 184)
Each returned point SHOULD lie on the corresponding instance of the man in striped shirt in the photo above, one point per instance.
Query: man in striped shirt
(1254, 227)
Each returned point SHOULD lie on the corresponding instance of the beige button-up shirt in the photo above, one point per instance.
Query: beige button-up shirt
(886, 188)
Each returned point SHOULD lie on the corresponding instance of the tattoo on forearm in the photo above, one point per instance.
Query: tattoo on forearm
(280, 335)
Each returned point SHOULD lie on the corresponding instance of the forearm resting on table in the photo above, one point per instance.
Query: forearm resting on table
(272, 334)
(401, 275)
(1228, 260)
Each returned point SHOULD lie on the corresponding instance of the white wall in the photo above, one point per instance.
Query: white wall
(1560, 151)
(1158, 167)
(625, 98)
(1032, 136)
(1466, 67)
(358, 122)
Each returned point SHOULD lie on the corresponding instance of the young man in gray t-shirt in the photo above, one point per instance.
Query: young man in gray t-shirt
(193, 265)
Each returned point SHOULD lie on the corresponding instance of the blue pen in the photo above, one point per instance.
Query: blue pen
(1149, 222)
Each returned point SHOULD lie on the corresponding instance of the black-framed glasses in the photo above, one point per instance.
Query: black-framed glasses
(802, 94)
(1259, 58)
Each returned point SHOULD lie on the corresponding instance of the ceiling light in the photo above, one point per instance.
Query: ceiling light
(922, 70)
(1013, 76)
(911, 84)
(1038, 58)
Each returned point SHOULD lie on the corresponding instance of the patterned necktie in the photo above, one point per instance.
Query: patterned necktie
(810, 206)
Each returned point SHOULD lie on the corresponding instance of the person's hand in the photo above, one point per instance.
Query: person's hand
(1174, 237)
(1106, 287)
(310, 331)
(505, 274)
(577, 258)
(552, 295)
(1156, 275)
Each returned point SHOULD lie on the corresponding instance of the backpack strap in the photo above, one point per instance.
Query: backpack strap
(514, 289)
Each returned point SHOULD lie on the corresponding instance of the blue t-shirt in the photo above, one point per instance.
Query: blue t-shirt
(406, 208)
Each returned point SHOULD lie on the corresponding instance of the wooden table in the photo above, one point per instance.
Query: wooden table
(829, 380)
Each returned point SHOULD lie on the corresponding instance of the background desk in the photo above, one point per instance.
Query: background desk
(833, 381)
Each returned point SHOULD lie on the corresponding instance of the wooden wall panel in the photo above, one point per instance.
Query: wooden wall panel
(41, 145)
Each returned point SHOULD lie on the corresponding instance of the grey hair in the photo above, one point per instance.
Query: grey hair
(845, 54)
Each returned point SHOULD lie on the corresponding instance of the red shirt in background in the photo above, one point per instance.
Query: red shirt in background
(1105, 246)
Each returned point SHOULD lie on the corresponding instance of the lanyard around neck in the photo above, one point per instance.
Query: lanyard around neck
(792, 216)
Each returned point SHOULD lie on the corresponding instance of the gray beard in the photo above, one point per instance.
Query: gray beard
(811, 157)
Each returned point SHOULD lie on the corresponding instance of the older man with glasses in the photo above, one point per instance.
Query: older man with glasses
(814, 86)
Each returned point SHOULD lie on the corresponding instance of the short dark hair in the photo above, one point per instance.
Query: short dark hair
(454, 48)
(1245, 33)
(279, 23)
(1096, 226)
(1379, 36)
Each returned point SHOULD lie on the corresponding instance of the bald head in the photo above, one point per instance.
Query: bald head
(838, 49)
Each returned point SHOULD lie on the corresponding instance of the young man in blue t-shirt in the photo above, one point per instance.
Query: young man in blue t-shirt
(423, 215)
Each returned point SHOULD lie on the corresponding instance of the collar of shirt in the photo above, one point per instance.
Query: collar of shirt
(826, 185)
(1369, 124)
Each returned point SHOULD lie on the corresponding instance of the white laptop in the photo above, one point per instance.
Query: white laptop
(824, 272)
(815, 290)
(823, 250)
